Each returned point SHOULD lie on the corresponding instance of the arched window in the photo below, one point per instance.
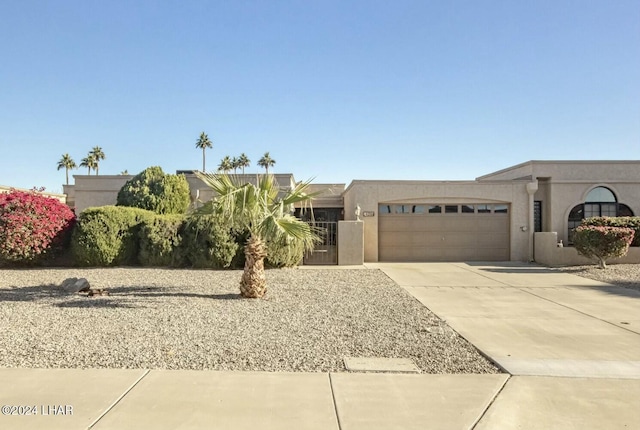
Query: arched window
(599, 202)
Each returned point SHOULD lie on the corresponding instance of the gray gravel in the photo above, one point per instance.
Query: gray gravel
(624, 275)
(195, 319)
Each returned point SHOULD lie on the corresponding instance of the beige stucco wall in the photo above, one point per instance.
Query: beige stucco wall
(102, 190)
(350, 243)
(97, 190)
(369, 194)
(564, 184)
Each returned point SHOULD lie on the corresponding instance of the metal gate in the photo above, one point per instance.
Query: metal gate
(326, 251)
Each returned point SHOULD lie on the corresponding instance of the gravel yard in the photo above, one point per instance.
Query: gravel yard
(624, 275)
(195, 319)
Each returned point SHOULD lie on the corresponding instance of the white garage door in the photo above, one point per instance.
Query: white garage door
(446, 232)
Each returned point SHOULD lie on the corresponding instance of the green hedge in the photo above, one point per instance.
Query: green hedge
(632, 222)
(207, 242)
(108, 236)
(156, 191)
(118, 235)
(284, 254)
(159, 240)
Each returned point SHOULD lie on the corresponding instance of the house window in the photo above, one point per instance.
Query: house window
(537, 216)
(599, 202)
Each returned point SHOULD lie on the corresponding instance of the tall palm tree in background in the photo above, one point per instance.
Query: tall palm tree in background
(225, 165)
(98, 156)
(258, 210)
(89, 162)
(243, 161)
(66, 162)
(203, 143)
(235, 163)
(266, 161)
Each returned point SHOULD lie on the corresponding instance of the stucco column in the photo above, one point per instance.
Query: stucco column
(532, 187)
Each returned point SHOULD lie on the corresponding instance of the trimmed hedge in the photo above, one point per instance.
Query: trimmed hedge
(632, 222)
(207, 242)
(117, 235)
(284, 254)
(602, 243)
(33, 227)
(159, 240)
(108, 235)
(156, 191)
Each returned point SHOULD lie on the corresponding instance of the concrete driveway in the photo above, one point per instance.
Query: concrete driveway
(572, 344)
(531, 320)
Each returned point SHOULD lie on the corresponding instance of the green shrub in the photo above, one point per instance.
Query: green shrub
(285, 254)
(207, 242)
(159, 240)
(108, 235)
(33, 227)
(156, 191)
(632, 222)
(602, 243)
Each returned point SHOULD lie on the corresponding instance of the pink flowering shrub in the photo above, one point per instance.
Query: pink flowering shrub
(602, 242)
(32, 226)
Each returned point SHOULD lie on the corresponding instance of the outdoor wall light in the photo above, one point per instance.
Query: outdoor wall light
(524, 228)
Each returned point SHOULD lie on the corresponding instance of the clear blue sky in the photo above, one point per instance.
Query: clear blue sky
(334, 89)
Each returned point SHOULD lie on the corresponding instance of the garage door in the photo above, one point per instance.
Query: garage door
(446, 232)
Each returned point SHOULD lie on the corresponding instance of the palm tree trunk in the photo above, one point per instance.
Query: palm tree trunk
(67, 172)
(203, 158)
(254, 282)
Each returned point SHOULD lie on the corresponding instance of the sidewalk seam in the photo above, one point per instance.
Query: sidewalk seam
(335, 403)
(118, 399)
(493, 400)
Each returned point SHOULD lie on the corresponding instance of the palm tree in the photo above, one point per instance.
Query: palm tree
(235, 163)
(124, 172)
(98, 156)
(258, 210)
(89, 162)
(226, 164)
(203, 143)
(266, 161)
(66, 162)
(243, 161)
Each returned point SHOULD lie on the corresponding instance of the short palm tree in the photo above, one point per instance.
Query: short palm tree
(226, 164)
(266, 217)
(243, 161)
(266, 161)
(66, 162)
(89, 162)
(98, 156)
(203, 143)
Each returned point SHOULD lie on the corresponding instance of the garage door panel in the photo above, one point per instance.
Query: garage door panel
(444, 237)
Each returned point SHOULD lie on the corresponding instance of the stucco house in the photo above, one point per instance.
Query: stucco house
(520, 213)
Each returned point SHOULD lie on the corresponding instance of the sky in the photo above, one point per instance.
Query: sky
(335, 90)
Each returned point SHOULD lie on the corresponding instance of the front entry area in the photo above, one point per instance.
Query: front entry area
(443, 232)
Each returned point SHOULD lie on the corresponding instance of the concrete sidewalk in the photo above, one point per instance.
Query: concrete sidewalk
(572, 344)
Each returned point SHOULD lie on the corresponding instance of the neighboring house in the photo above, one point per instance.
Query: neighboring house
(492, 218)
(61, 197)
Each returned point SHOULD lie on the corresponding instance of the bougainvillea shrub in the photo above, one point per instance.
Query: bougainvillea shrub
(32, 226)
(602, 243)
(632, 222)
